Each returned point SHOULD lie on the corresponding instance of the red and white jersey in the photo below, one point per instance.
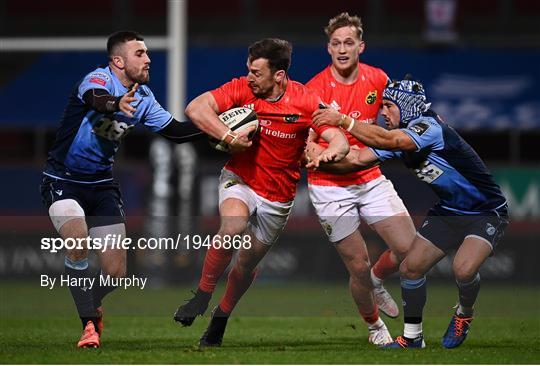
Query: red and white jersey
(360, 100)
(271, 166)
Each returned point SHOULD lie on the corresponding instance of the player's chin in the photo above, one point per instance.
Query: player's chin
(257, 92)
(143, 78)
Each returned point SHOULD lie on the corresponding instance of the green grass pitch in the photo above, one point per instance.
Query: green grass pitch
(274, 324)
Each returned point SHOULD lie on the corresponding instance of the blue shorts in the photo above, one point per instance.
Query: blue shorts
(447, 229)
(102, 202)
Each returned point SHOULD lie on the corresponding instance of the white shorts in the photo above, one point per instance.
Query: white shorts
(340, 208)
(267, 218)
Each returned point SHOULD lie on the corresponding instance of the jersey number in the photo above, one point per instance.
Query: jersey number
(111, 129)
(428, 172)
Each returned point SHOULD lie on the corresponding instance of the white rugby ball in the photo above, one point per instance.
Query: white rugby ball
(238, 120)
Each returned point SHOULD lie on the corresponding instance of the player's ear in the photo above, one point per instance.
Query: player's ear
(362, 47)
(328, 49)
(279, 76)
(118, 61)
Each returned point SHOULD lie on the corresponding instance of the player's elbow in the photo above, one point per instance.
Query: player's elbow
(192, 110)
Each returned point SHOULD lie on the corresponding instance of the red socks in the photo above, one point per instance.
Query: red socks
(372, 317)
(237, 285)
(215, 263)
(385, 266)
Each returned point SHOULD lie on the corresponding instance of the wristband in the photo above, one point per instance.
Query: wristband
(342, 120)
(230, 134)
(116, 104)
(351, 125)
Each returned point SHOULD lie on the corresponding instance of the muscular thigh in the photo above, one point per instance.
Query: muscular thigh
(106, 206)
(378, 200)
(420, 258)
(337, 210)
(269, 220)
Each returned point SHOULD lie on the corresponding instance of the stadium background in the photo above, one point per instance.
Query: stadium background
(478, 59)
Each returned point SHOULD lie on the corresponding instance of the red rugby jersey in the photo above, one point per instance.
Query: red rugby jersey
(271, 166)
(360, 100)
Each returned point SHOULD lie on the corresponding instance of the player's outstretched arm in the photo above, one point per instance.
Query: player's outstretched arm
(203, 111)
(338, 146)
(180, 132)
(371, 135)
(101, 101)
(357, 159)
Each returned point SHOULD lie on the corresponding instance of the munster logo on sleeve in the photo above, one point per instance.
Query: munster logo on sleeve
(371, 97)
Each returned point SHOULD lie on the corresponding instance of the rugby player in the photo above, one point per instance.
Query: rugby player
(354, 89)
(470, 217)
(257, 186)
(78, 188)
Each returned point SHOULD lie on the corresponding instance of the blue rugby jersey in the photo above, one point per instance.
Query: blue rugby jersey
(87, 140)
(449, 165)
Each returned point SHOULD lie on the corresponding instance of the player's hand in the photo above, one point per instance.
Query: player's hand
(328, 155)
(125, 102)
(311, 152)
(241, 142)
(327, 116)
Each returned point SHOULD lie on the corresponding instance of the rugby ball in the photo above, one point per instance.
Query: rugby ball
(238, 120)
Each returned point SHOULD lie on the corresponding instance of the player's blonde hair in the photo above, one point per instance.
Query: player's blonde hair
(344, 20)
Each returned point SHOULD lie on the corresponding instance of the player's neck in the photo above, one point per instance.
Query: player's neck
(347, 76)
(124, 80)
(277, 92)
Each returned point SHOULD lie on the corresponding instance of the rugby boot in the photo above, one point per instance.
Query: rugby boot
(402, 342)
(193, 307)
(379, 335)
(213, 336)
(457, 331)
(385, 302)
(89, 337)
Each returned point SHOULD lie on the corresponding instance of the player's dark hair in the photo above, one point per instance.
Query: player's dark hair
(117, 38)
(344, 20)
(276, 51)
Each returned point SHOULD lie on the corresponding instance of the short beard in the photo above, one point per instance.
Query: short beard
(139, 79)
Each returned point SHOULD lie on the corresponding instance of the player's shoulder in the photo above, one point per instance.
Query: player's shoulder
(423, 124)
(323, 76)
(99, 78)
(373, 72)
(100, 73)
(300, 89)
(241, 81)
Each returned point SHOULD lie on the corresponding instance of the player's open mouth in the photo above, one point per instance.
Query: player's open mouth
(343, 59)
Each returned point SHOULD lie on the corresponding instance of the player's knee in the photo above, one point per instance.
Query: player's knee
(464, 272)
(77, 254)
(409, 271)
(400, 252)
(232, 227)
(245, 265)
(116, 268)
(116, 271)
(360, 269)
